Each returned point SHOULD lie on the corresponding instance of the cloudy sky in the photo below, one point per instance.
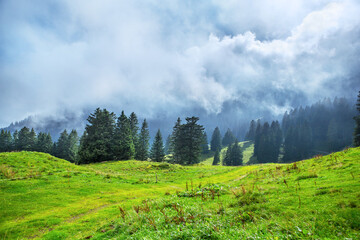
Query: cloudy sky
(162, 58)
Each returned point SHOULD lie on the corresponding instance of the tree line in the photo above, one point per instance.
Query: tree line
(27, 140)
(323, 127)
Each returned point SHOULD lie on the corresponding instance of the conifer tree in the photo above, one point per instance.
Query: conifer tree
(62, 145)
(157, 152)
(134, 127)
(216, 140)
(356, 140)
(216, 160)
(6, 141)
(236, 154)
(250, 135)
(175, 142)
(97, 142)
(143, 147)
(124, 147)
(188, 140)
(233, 156)
(44, 142)
(167, 144)
(258, 132)
(205, 144)
(25, 142)
(228, 138)
(73, 146)
(15, 140)
(227, 158)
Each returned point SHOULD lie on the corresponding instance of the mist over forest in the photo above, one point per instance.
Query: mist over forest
(60, 60)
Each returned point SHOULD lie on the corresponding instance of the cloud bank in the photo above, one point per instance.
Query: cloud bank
(180, 57)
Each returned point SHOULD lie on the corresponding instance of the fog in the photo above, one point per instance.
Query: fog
(227, 62)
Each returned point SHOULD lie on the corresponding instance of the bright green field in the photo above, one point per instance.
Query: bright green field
(48, 198)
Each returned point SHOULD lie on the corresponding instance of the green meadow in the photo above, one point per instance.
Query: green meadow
(43, 197)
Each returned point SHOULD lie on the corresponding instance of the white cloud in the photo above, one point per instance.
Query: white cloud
(174, 56)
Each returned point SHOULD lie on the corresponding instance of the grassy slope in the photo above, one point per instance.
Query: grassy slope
(247, 148)
(54, 199)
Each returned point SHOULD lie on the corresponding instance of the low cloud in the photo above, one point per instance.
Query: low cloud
(165, 59)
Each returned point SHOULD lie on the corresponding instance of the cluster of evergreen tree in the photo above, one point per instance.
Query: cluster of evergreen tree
(233, 156)
(267, 141)
(186, 141)
(108, 137)
(27, 140)
(217, 143)
(67, 146)
(324, 127)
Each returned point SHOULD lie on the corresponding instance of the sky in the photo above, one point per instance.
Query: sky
(168, 58)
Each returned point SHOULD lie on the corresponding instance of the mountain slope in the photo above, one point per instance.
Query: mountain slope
(315, 198)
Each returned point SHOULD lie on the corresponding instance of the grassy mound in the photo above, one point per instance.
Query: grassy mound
(312, 199)
(18, 165)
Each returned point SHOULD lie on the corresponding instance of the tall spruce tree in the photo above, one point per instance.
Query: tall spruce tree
(167, 144)
(44, 142)
(215, 144)
(250, 135)
(205, 144)
(5, 141)
(356, 140)
(123, 141)
(134, 127)
(73, 147)
(15, 141)
(228, 138)
(97, 143)
(216, 160)
(175, 142)
(25, 141)
(62, 146)
(157, 152)
(143, 147)
(233, 156)
(188, 140)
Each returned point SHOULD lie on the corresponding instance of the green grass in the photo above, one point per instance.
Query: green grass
(247, 148)
(43, 197)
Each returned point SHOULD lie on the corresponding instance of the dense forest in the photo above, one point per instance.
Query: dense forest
(323, 127)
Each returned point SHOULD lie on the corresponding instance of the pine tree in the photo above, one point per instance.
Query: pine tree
(188, 140)
(62, 146)
(143, 147)
(205, 144)
(73, 147)
(25, 142)
(15, 141)
(258, 132)
(97, 142)
(216, 140)
(167, 144)
(157, 152)
(44, 142)
(175, 142)
(5, 141)
(236, 155)
(233, 156)
(250, 135)
(227, 158)
(228, 138)
(124, 146)
(216, 160)
(134, 127)
(357, 126)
